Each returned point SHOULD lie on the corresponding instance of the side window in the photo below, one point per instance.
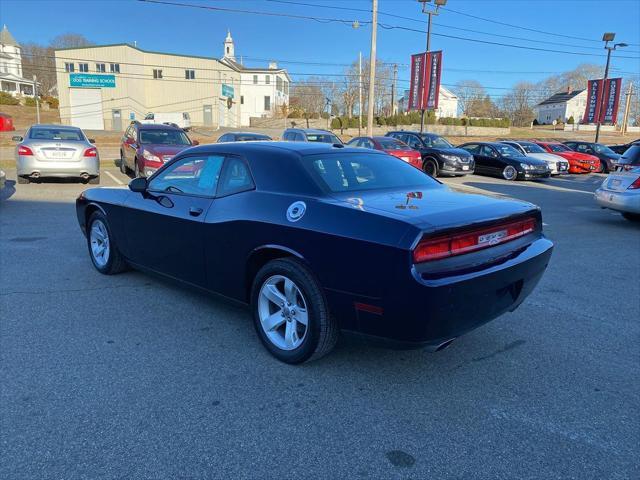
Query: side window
(300, 137)
(472, 148)
(366, 143)
(582, 148)
(235, 177)
(487, 151)
(190, 176)
(413, 141)
(286, 136)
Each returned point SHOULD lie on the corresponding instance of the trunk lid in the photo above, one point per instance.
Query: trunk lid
(620, 181)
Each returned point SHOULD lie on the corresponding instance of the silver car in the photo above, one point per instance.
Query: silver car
(621, 192)
(56, 151)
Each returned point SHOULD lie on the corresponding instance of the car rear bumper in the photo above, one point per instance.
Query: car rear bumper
(620, 201)
(422, 312)
(29, 165)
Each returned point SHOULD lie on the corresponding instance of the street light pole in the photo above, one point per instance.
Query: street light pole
(359, 93)
(607, 37)
(35, 96)
(372, 68)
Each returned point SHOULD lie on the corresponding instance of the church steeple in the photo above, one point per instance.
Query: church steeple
(229, 47)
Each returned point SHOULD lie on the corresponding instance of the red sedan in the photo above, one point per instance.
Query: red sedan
(390, 145)
(578, 162)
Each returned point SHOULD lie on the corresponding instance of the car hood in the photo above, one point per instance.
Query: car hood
(165, 149)
(576, 156)
(431, 209)
(546, 157)
(528, 159)
(460, 152)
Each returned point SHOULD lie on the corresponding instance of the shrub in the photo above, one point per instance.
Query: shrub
(571, 120)
(7, 99)
(30, 102)
(52, 101)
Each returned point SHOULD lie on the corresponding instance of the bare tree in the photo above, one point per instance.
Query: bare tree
(307, 98)
(70, 40)
(518, 103)
(468, 93)
(39, 60)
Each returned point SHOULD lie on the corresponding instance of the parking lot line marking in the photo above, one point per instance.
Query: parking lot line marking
(113, 177)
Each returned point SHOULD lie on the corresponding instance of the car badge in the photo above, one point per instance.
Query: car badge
(296, 211)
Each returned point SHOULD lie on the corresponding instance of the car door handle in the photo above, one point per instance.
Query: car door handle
(195, 211)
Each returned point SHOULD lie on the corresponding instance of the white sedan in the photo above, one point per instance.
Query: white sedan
(557, 164)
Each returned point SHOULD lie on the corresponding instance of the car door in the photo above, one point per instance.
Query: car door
(491, 159)
(474, 149)
(164, 225)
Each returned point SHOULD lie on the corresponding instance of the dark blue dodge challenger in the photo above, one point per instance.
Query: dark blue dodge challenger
(319, 238)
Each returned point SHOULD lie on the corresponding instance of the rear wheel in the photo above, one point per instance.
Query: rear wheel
(430, 167)
(103, 249)
(290, 312)
(123, 164)
(510, 173)
(633, 217)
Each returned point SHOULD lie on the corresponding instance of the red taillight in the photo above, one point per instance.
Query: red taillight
(22, 150)
(635, 185)
(91, 152)
(429, 249)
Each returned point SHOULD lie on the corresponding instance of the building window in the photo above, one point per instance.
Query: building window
(189, 74)
(227, 49)
(83, 67)
(26, 89)
(267, 103)
(255, 79)
(8, 87)
(267, 79)
(114, 67)
(286, 88)
(241, 99)
(278, 84)
(100, 67)
(157, 73)
(69, 67)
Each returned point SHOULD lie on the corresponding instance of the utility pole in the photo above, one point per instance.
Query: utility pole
(393, 89)
(359, 93)
(606, 38)
(35, 96)
(372, 68)
(627, 108)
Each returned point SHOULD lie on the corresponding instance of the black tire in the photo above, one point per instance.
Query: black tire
(632, 217)
(95, 180)
(123, 164)
(115, 262)
(322, 329)
(430, 167)
(136, 169)
(23, 180)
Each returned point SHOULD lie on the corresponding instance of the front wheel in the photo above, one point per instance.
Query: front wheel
(430, 167)
(290, 312)
(103, 249)
(509, 173)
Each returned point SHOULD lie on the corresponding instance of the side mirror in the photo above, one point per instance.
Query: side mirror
(138, 185)
(17, 138)
(92, 140)
(195, 142)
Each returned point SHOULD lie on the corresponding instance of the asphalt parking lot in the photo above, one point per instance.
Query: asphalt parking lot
(132, 377)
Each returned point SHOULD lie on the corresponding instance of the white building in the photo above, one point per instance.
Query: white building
(11, 80)
(263, 91)
(562, 105)
(447, 103)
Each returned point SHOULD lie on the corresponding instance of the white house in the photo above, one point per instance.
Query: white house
(263, 91)
(562, 105)
(11, 80)
(447, 103)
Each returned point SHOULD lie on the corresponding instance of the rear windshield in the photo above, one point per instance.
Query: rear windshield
(63, 134)
(393, 144)
(557, 147)
(248, 138)
(350, 172)
(323, 138)
(631, 156)
(163, 137)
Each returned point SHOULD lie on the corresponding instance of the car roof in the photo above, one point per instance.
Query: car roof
(428, 134)
(308, 130)
(301, 148)
(247, 133)
(156, 126)
(53, 125)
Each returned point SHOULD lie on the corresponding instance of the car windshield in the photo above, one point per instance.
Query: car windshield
(599, 148)
(532, 148)
(436, 142)
(393, 144)
(163, 137)
(631, 156)
(323, 138)
(251, 137)
(507, 150)
(62, 134)
(350, 172)
(558, 147)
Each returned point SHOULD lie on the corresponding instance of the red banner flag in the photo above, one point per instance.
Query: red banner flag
(609, 113)
(426, 71)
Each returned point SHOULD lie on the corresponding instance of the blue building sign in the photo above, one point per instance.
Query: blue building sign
(92, 80)
(227, 91)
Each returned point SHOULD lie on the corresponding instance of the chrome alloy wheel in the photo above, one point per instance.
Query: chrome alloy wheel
(509, 173)
(99, 238)
(283, 313)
